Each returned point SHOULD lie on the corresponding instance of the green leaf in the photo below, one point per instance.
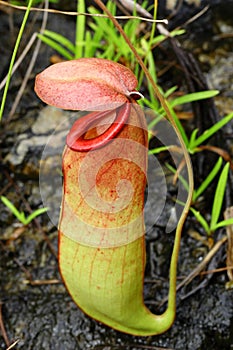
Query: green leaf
(159, 38)
(35, 214)
(192, 139)
(218, 197)
(158, 150)
(224, 223)
(208, 179)
(54, 45)
(200, 219)
(60, 39)
(211, 131)
(170, 91)
(108, 53)
(89, 46)
(181, 178)
(25, 18)
(156, 119)
(195, 96)
(150, 58)
(179, 125)
(19, 215)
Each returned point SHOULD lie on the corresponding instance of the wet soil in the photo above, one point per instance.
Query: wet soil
(36, 309)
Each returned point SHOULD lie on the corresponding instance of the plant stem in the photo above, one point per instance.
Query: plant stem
(14, 56)
(80, 29)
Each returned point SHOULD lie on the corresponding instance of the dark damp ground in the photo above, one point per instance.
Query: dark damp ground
(36, 310)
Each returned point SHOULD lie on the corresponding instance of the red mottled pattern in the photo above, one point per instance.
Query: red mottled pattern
(85, 84)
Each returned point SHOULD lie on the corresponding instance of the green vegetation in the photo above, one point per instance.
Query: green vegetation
(214, 224)
(217, 206)
(16, 47)
(21, 215)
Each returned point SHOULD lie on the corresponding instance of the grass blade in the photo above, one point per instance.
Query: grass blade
(224, 223)
(13, 209)
(57, 47)
(208, 179)
(60, 39)
(180, 177)
(200, 219)
(35, 214)
(211, 131)
(192, 140)
(14, 56)
(179, 126)
(195, 96)
(158, 150)
(218, 197)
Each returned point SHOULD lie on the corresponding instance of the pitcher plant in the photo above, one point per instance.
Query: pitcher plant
(101, 228)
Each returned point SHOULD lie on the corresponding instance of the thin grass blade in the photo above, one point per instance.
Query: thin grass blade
(224, 223)
(208, 179)
(14, 56)
(201, 220)
(19, 215)
(35, 214)
(60, 39)
(218, 198)
(195, 96)
(57, 47)
(211, 131)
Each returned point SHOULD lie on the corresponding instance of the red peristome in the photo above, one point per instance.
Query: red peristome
(75, 139)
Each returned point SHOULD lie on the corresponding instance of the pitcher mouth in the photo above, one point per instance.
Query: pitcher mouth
(77, 139)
